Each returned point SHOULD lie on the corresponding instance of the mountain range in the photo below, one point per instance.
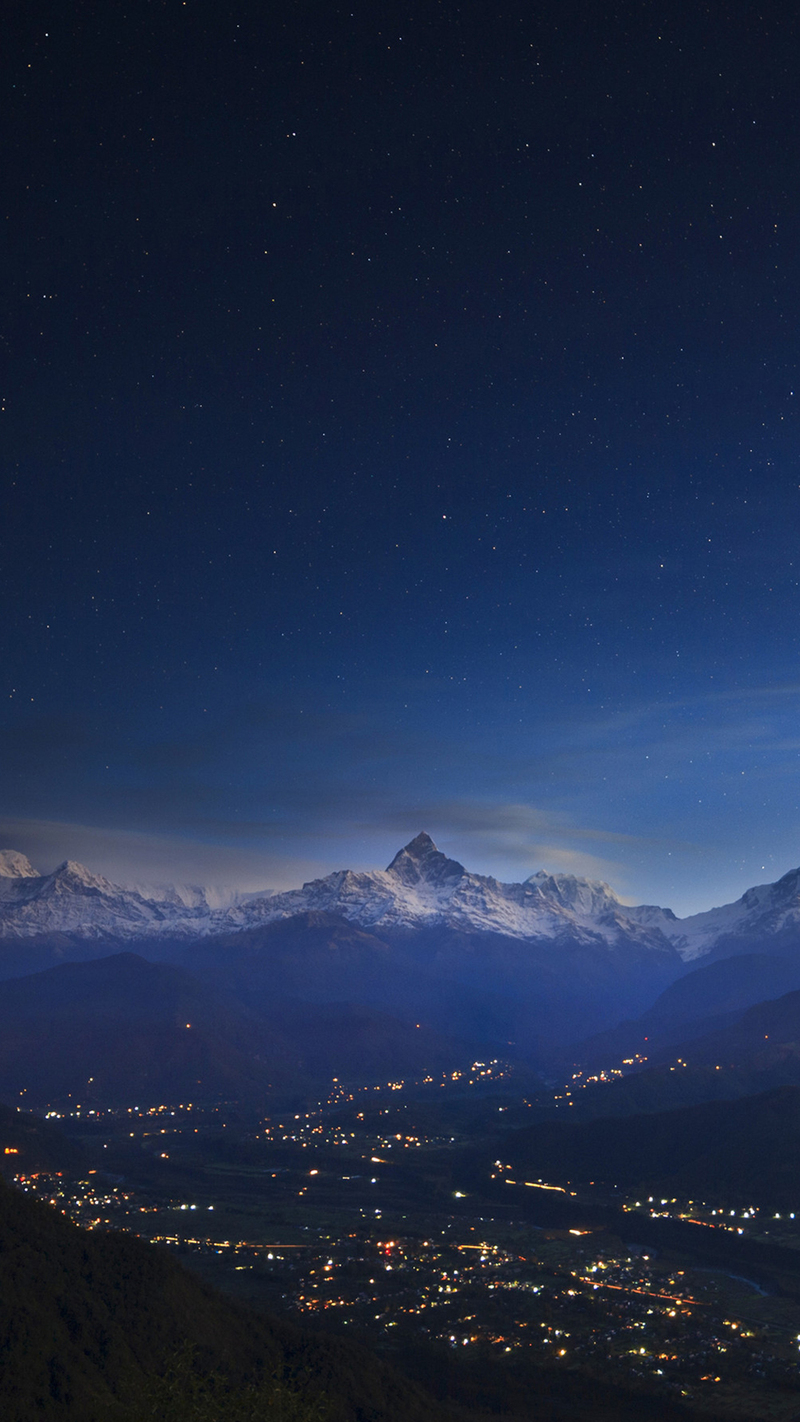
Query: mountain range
(421, 888)
(532, 968)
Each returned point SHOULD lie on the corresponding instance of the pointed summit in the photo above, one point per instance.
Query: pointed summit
(420, 846)
(77, 873)
(421, 862)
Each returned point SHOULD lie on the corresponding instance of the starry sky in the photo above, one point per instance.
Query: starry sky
(400, 432)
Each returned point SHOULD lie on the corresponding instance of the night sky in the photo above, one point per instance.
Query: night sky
(400, 432)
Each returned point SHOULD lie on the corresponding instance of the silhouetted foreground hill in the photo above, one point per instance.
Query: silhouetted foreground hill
(88, 1322)
(721, 1148)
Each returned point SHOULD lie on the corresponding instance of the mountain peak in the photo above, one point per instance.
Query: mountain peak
(421, 861)
(72, 873)
(14, 865)
(583, 896)
(71, 866)
(420, 846)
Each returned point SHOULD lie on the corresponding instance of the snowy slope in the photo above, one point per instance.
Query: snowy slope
(74, 901)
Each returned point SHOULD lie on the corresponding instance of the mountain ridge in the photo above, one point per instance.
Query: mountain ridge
(420, 888)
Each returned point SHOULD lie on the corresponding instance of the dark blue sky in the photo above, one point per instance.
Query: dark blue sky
(400, 432)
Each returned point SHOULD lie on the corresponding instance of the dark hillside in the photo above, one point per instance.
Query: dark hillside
(765, 1035)
(668, 1088)
(730, 1148)
(120, 1027)
(89, 1321)
(482, 986)
(319, 957)
(708, 999)
(338, 1039)
(744, 1053)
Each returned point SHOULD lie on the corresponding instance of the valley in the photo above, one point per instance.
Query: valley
(363, 1213)
(560, 1166)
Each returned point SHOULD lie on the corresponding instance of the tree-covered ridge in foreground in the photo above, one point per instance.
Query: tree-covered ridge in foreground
(105, 1328)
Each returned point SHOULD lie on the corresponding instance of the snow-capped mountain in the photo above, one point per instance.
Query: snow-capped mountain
(74, 901)
(766, 911)
(14, 865)
(421, 888)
